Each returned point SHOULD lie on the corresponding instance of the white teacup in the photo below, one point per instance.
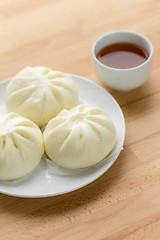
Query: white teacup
(123, 79)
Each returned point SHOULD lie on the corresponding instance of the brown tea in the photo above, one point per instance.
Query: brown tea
(122, 55)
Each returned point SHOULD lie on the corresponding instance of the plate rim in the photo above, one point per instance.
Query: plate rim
(90, 180)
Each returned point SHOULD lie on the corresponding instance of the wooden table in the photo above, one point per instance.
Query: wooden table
(123, 204)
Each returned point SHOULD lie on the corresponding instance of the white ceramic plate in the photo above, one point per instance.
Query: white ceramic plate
(44, 183)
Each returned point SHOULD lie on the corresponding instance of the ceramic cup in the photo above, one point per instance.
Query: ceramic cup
(122, 79)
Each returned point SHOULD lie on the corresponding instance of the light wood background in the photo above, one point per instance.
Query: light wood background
(123, 204)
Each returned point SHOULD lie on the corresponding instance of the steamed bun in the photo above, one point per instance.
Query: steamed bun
(80, 137)
(40, 93)
(21, 146)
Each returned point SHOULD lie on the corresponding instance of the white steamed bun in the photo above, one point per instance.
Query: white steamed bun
(40, 93)
(21, 146)
(80, 137)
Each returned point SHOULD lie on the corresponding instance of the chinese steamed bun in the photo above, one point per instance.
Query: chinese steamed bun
(40, 93)
(80, 137)
(21, 146)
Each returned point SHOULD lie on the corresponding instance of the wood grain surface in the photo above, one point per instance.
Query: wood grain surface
(123, 204)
